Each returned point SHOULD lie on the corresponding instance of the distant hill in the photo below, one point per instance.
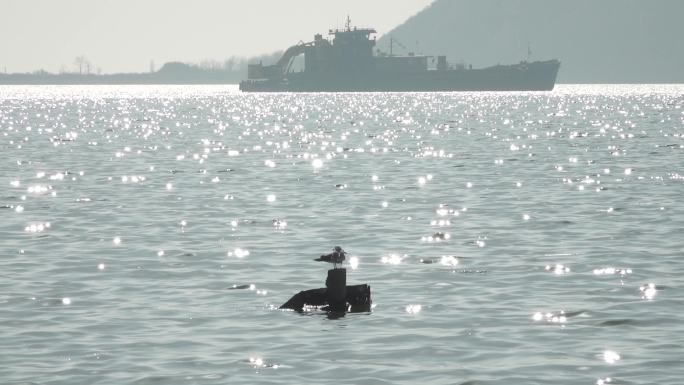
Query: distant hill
(597, 41)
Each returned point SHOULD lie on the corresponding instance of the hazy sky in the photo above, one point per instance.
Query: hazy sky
(125, 35)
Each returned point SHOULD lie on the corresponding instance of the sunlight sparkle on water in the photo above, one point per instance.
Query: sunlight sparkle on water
(317, 163)
(38, 189)
(132, 179)
(414, 309)
(611, 357)
(116, 241)
(37, 227)
(448, 260)
(436, 237)
(259, 363)
(392, 259)
(648, 291)
(612, 271)
(270, 198)
(57, 176)
(354, 263)
(440, 223)
(444, 210)
(279, 224)
(239, 252)
(555, 318)
(557, 269)
(256, 361)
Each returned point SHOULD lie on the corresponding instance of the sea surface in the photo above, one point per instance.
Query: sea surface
(149, 234)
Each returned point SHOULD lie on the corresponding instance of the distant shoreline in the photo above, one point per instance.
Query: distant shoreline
(170, 73)
(42, 81)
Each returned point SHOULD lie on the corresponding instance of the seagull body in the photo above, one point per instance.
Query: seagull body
(337, 256)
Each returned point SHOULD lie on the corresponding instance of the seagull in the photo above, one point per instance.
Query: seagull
(337, 256)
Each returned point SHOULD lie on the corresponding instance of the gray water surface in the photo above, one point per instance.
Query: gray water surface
(130, 213)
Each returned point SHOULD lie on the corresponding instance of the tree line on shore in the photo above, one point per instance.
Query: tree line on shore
(232, 69)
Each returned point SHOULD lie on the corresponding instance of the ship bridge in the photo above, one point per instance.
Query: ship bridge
(349, 50)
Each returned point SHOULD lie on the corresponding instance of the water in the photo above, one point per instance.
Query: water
(553, 221)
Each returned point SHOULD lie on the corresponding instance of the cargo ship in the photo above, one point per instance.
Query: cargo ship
(346, 62)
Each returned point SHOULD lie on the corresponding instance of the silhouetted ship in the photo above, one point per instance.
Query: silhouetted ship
(347, 64)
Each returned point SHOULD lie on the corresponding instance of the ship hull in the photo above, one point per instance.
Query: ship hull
(535, 76)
